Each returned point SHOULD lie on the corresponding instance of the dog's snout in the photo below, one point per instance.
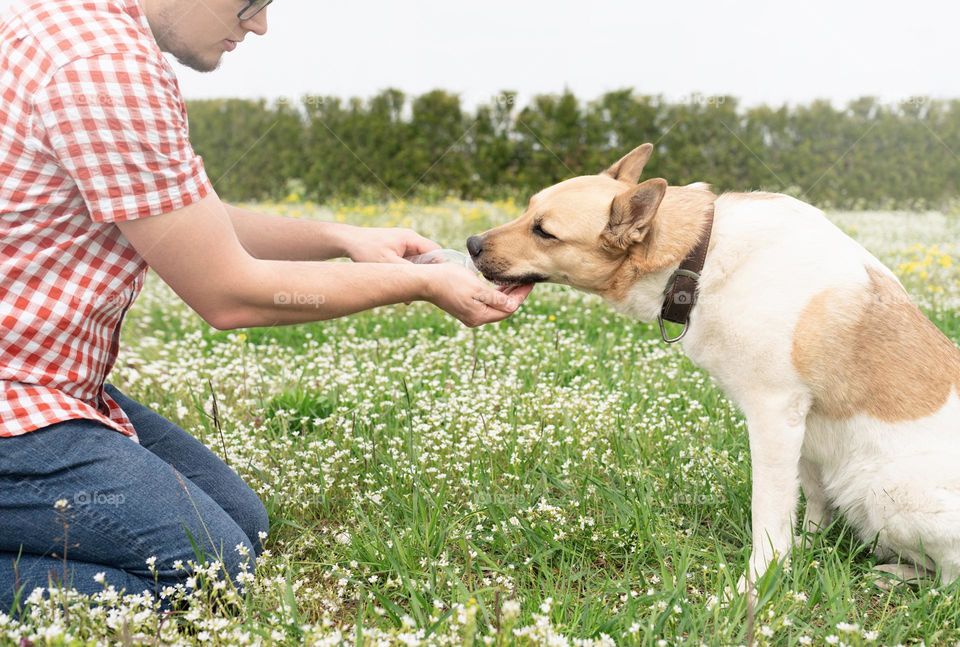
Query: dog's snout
(475, 245)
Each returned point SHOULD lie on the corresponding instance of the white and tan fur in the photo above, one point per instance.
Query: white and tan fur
(847, 389)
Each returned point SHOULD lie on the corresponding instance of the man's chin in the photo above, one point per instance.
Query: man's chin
(198, 63)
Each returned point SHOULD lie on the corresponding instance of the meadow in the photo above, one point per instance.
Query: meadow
(561, 478)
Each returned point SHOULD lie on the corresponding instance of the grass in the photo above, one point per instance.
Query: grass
(562, 475)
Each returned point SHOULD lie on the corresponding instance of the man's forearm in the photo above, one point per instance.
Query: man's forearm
(272, 237)
(273, 293)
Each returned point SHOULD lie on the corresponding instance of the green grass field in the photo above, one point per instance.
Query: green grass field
(560, 478)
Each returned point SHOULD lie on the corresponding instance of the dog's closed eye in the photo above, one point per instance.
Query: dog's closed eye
(539, 231)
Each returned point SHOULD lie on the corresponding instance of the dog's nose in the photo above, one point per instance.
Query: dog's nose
(475, 245)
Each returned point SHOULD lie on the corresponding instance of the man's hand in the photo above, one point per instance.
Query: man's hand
(196, 251)
(461, 293)
(386, 245)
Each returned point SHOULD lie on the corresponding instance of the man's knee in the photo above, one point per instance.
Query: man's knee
(248, 511)
(227, 546)
(257, 522)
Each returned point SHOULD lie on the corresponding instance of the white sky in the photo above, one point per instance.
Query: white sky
(759, 50)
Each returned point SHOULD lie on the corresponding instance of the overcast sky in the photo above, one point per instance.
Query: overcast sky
(759, 50)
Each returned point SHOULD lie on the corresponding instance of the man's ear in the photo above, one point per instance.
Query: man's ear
(632, 214)
(630, 166)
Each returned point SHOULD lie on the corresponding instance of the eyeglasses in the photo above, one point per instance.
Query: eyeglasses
(252, 9)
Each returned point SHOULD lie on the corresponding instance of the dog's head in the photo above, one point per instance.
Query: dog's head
(582, 232)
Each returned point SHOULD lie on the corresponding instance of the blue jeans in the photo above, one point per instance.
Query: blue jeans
(127, 502)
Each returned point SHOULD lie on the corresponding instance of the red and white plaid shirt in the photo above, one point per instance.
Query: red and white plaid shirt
(93, 131)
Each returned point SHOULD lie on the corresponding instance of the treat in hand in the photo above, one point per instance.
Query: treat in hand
(444, 256)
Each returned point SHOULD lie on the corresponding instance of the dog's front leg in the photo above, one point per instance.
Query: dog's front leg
(776, 426)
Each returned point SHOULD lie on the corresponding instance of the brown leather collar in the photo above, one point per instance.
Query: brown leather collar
(680, 295)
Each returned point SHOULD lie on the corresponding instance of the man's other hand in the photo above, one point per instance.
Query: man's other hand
(386, 245)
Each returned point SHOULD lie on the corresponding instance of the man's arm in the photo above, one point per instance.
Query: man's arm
(197, 252)
(289, 239)
(276, 237)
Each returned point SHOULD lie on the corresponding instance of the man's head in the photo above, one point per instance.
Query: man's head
(198, 32)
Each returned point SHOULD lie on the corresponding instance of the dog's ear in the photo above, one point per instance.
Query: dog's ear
(630, 166)
(632, 213)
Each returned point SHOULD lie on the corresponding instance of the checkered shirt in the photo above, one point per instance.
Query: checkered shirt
(93, 131)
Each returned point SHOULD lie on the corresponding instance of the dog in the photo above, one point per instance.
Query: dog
(848, 390)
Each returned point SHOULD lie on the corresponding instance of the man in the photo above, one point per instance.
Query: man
(99, 181)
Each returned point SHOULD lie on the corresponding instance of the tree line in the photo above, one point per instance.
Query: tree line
(867, 154)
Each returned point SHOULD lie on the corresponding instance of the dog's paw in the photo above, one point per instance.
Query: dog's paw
(806, 539)
(816, 518)
(741, 591)
(890, 576)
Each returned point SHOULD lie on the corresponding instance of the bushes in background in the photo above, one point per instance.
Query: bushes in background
(867, 154)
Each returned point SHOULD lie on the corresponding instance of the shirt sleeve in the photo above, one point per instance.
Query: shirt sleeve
(117, 124)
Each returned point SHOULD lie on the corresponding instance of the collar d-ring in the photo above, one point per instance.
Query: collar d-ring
(663, 331)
